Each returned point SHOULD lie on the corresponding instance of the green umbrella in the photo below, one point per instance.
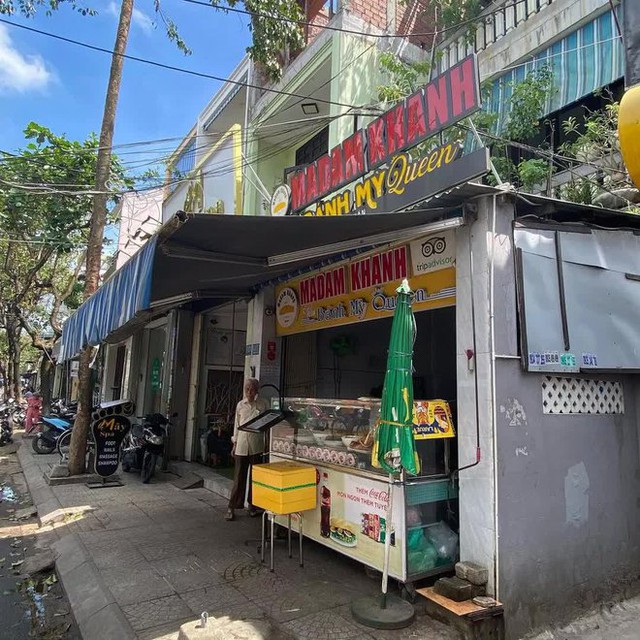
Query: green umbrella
(394, 447)
(394, 450)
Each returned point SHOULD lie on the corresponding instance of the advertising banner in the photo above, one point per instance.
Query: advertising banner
(363, 288)
(351, 518)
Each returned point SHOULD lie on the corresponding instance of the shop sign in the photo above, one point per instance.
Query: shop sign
(360, 289)
(108, 434)
(280, 200)
(434, 253)
(156, 374)
(450, 97)
(432, 420)
(351, 519)
(405, 182)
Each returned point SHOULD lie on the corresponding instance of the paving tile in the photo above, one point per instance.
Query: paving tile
(219, 598)
(188, 579)
(153, 613)
(325, 625)
(115, 557)
(162, 549)
(130, 586)
(168, 631)
(185, 562)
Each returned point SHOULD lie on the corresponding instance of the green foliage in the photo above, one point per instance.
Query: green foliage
(460, 12)
(46, 194)
(526, 108)
(527, 104)
(533, 172)
(28, 8)
(271, 36)
(403, 77)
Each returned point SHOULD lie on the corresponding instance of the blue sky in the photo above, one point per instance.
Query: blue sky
(63, 86)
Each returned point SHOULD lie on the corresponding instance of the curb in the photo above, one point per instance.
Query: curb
(96, 611)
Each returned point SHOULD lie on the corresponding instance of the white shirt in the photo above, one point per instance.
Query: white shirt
(248, 444)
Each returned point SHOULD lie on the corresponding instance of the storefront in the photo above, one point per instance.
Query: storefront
(340, 319)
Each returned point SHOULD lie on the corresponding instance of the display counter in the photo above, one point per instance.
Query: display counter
(336, 437)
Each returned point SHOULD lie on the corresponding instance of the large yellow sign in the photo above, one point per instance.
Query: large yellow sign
(363, 288)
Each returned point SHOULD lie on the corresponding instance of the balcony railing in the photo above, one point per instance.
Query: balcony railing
(494, 25)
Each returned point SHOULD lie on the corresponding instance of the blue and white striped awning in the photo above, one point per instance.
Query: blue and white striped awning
(117, 301)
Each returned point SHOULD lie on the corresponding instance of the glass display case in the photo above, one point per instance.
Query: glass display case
(340, 432)
(336, 437)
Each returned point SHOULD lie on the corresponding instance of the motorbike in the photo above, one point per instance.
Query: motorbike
(18, 413)
(144, 444)
(51, 429)
(6, 431)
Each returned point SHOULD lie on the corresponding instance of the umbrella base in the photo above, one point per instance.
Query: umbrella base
(397, 614)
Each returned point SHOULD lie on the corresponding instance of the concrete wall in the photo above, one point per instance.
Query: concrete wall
(567, 489)
(140, 217)
(474, 243)
(568, 503)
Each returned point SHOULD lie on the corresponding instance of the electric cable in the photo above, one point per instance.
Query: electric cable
(162, 65)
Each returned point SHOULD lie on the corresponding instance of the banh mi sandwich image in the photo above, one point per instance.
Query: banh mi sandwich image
(343, 532)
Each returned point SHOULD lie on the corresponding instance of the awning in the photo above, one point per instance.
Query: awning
(227, 257)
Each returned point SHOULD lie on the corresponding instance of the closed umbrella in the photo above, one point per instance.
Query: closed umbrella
(394, 447)
(394, 450)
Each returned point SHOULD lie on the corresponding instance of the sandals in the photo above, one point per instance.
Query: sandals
(229, 515)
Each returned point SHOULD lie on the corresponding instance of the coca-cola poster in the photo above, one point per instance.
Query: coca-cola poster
(351, 517)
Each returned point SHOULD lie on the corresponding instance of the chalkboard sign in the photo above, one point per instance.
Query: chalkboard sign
(108, 433)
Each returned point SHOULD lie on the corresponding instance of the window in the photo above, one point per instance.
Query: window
(313, 148)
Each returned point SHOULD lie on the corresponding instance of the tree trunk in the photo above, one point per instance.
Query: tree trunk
(46, 381)
(96, 233)
(13, 342)
(5, 382)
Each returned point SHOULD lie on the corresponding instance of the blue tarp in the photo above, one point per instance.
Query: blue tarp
(117, 301)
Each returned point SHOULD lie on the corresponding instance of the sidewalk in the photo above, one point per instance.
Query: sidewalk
(140, 560)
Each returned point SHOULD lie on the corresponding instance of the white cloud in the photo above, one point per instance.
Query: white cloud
(19, 72)
(139, 18)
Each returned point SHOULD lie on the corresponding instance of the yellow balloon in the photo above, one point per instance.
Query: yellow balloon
(629, 132)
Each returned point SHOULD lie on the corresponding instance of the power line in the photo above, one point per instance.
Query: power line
(191, 72)
(329, 27)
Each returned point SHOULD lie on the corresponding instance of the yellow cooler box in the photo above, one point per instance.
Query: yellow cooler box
(284, 487)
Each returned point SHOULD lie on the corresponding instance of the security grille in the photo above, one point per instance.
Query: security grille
(578, 395)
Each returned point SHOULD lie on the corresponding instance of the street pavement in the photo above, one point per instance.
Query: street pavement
(30, 606)
(140, 560)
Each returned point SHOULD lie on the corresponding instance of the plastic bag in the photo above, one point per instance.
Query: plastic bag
(444, 540)
(421, 554)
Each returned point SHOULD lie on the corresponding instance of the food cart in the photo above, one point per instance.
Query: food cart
(336, 437)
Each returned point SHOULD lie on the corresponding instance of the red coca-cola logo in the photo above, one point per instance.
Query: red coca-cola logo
(378, 494)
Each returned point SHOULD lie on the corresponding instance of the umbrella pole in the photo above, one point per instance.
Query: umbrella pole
(387, 546)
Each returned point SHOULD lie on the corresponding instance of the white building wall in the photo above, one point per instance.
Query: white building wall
(140, 216)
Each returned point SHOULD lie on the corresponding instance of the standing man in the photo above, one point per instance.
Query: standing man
(247, 447)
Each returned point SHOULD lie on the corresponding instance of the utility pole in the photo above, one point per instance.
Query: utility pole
(78, 446)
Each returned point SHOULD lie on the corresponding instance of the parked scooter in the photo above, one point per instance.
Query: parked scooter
(6, 431)
(51, 430)
(18, 412)
(144, 444)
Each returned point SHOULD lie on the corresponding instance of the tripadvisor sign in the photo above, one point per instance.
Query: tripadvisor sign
(397, 180)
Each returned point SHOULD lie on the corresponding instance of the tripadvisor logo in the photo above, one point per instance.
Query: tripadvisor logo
(437, 252)
(433, 246)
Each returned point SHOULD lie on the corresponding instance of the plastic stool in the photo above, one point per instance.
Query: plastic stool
(272, 516)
